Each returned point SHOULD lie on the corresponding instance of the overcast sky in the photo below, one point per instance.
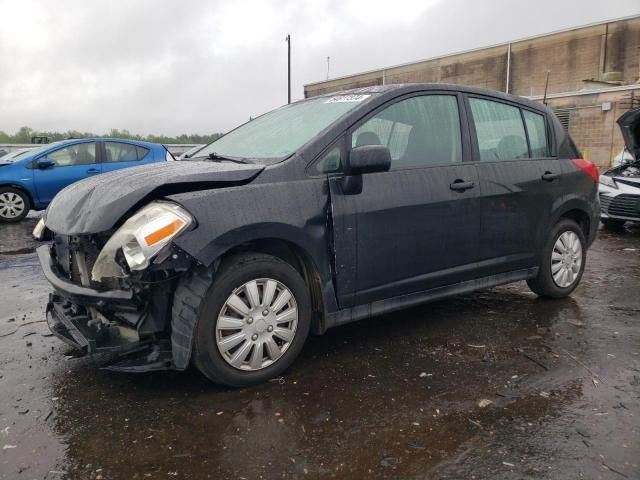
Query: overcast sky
(201, 66)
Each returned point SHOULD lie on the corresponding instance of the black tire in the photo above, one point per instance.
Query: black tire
(5, 215)
(613, 224)
(544, 284)
(204, 304)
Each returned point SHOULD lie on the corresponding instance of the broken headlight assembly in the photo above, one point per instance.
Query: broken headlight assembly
(141, 238)
(608, 181)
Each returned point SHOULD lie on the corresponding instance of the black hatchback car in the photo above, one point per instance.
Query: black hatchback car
(329, 210)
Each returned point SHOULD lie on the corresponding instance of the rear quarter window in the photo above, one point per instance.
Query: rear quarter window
(537, 130)
(124, 152)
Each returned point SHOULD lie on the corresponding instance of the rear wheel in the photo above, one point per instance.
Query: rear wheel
(562, 261)
(14, 204)
(252, 322)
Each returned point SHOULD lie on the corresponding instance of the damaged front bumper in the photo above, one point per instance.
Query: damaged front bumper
(80, 294)
(79, 316)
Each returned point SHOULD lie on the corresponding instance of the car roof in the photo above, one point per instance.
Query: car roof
(394, 90)
(111, 139)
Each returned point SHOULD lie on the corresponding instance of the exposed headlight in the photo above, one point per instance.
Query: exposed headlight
(38, 231)
(608, 181)
(141, 238)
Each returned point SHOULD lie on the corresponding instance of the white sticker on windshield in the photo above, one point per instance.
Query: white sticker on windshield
(346, 98)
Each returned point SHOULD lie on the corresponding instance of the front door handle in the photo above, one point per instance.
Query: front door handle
(460, 185)
(93, 171)
(550, 176)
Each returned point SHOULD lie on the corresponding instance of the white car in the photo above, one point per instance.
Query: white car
(623, 157)
(14, 155)
(620, 187)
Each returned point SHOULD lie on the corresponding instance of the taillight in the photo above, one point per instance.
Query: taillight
(588, 167)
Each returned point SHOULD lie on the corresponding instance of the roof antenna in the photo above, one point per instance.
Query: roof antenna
(546, 85)
(328, 66)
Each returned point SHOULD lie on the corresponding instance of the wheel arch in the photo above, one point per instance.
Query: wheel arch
(580, 217)
(585, 213)
(23, 189)
(306, 247)
(194, 285)
(296, 256)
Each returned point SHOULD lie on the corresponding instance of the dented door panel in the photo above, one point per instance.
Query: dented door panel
(343, 215)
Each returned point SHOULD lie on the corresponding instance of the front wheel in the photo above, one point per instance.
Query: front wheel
(562, 261)
(253, 321)
(14, 204)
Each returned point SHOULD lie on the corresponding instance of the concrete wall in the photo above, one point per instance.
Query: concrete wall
(572, 58)
(593, 128)
(483, 68)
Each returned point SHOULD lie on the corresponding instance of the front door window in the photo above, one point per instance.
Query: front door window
(78, 154)
(419, 131)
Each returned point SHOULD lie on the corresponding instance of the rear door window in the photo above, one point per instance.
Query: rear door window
(499, 129)
(419, 131)
(537, 130)
(124, 152)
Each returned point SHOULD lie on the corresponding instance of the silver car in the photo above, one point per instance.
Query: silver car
(620, 187)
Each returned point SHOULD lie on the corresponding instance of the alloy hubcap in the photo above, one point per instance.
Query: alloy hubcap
(256, 324)
(566, 259)
(11, 205)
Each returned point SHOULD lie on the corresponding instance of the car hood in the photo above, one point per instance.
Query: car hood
(96, 204)
(627, 173)
(629, 123)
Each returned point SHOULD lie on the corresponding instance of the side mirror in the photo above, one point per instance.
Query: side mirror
(368, 159)
(44, 163)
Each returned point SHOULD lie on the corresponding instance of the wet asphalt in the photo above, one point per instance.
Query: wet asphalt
(492, 385)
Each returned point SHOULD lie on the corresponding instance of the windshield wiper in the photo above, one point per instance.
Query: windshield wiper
(214, 156)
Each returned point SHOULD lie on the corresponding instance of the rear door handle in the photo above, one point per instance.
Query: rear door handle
(93, 171)
(549, 176)
(461, 185)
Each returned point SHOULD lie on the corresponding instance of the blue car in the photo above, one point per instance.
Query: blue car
(32, 180)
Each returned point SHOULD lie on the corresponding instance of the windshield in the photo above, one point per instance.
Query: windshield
(279, 133)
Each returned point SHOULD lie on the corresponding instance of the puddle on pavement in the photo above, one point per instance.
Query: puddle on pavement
(398, 394)
(15, 238)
